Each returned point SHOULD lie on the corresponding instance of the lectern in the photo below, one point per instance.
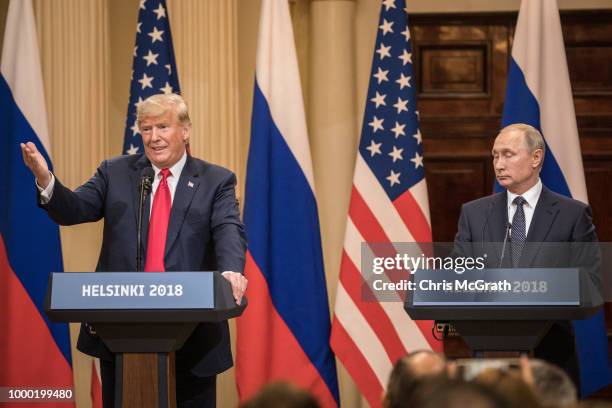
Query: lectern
(142, 318)
(503, 309)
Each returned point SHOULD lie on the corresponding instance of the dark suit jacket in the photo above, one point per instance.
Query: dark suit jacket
(556, 219)
(204, 233)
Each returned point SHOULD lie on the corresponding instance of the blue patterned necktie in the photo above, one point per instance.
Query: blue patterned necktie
(519, 232)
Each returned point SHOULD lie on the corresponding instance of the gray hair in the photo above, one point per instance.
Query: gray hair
(159, 104)
(533, 137)
(553, 386)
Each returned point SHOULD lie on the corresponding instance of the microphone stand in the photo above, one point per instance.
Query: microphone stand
(506, 239)
(145, 188)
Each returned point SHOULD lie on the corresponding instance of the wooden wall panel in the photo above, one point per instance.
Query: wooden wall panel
(454, 70)
(453, 181)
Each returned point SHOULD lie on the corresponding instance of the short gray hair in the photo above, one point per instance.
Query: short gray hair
(553, 386)
(159, 104)
(533, 137)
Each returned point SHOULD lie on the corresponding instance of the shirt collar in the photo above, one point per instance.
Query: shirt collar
(176, 169)
(531, 196)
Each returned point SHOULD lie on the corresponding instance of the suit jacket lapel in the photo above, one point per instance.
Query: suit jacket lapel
(497, 222)
(185, 190)
(136, 170)
(543, 218)
(498, 218)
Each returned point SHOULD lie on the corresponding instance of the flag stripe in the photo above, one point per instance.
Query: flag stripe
(378, 203)
(358, 328)
(364, 220)
(25, 333)
(274, 352)
(411, 337)
(372, 311)
(357, 365)
(412, 215)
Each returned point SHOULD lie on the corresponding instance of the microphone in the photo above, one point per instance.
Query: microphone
(506, 239)
(146, 183)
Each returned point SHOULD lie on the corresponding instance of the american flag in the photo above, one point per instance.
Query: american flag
(388, 204)
(153, 70)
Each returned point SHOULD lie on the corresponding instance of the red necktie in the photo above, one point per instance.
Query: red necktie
(158, 225)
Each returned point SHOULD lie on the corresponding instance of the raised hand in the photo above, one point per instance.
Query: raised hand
(36, 163)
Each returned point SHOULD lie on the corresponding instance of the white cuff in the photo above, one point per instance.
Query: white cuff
(46, 193)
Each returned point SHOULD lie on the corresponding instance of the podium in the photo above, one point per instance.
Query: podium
(143, 318)
(497, 320)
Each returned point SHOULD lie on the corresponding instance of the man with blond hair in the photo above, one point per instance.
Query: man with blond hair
(528, 212)
(191, 223)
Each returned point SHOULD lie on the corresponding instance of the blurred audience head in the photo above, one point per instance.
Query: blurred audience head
(593, 404)
(552, 385)
(510, 385)
(410, 371)
(281, 395)
(458, 394)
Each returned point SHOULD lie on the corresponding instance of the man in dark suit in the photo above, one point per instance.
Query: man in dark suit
(526, 215)
(191, 222)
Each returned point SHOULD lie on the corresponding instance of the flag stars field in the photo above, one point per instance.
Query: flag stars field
(374, 148)
(396, 154)
(156, 35)
(153, 67)
(132, 150)
(398, 130)
(167, 89)
(377, 124)
(388, 4)
(406, 57)
(401, 105)
(418, 136)
(134, 128)
(406, 34)
(403, 81)
(381, 75)
(146, 81)
(386, 27)
(379, 99)
(151, 58)
(384, 51)
(393, 178)
(417, 160)
(160, 11)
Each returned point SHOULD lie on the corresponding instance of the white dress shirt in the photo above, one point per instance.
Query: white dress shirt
(172, 179)
(531, 197)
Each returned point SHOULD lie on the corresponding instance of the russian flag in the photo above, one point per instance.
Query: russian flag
(33, 351)
(284, 333)
(539, 93)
